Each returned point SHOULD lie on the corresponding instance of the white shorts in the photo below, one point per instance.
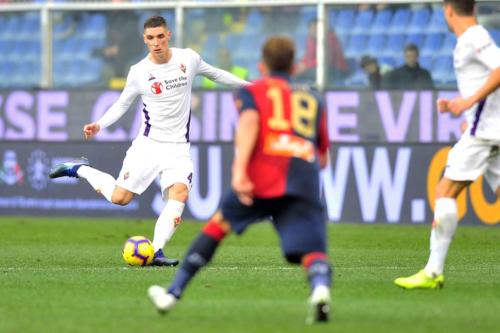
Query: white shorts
(472, 157)
(146, 159)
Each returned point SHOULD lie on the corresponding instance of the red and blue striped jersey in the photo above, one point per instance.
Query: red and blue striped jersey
(292, 134)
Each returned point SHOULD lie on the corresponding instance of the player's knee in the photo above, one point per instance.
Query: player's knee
(179, 192)
(217, 227)
(294, 258)
(121, 199)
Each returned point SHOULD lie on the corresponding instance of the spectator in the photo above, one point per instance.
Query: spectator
(372, 70)
(410, 75)
(337, 68)
(121, 50)
(225, 63)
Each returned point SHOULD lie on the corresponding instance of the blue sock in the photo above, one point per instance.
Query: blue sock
(319, 273)
(199, 255)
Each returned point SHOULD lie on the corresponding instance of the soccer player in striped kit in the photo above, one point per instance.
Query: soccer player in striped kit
(163, 79)
(477, 67)
(281, 144)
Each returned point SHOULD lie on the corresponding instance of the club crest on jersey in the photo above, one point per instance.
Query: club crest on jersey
(151, 77)
(183, 68)
(156, 88)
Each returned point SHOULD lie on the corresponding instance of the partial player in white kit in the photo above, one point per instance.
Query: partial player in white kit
(164, 80)
(477, 67)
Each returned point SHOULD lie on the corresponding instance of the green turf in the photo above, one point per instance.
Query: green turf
(67, 275)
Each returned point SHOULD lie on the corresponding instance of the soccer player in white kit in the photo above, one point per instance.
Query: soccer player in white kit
(477, 67)
(163, 79)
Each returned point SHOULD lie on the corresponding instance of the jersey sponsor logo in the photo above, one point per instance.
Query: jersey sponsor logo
(482, 48)
(178, 82)
(288, 145)
(183, 68)
(156, 88)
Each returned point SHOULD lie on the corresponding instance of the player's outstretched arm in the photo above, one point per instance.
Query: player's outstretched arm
(221, 76)
(90, 130)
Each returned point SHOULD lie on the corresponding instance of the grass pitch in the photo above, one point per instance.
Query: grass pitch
(67, 275)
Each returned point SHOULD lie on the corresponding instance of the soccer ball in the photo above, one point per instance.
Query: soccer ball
(138, 251)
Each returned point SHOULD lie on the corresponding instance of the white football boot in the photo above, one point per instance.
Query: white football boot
(319, 305)
(162, 300)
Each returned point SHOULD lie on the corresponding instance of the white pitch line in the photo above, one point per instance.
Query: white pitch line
(241, 268)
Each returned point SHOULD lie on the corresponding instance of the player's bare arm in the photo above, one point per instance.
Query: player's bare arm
(90, 130)
(323, 160)
(245, 141)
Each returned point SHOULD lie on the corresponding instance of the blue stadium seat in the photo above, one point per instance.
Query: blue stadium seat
(363, 22)
(332, 16)
(357, 80)
(11, 27)
(381, 21)
(169, 16)
(394, 45)
(442, 67)
(376, 44)
(308, 13)
(343, 21)
(419, 20)
(426, 62)
(450, 40)
(356, 46)
(387, 61)
(400, 21)
(437, 23)
(246, 48)
(90, 71)
(432, 44)
(254, 19)
(495, 34)
(417, 39)
(443, 74)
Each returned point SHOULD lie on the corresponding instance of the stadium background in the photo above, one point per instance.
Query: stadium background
(389, 147)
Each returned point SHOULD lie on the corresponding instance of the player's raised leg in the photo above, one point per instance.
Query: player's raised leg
(443, 229)
(101, 182)
(198, 256)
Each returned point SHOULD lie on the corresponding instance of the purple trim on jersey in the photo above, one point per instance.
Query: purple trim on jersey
(188, 126)
(479, 110)
(148, 125)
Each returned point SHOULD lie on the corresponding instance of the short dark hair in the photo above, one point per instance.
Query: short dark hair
(411, 47)
(462, 7)
(367, 59)
(155, 21)
(278, 53)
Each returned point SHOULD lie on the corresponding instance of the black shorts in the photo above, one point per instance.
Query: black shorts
(300, 223)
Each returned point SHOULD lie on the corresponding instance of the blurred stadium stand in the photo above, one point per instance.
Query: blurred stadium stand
(77, 34)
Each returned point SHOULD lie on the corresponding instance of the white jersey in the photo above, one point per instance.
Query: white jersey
(476, 56)
(166, 94)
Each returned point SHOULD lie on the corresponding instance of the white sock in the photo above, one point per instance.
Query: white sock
(443, 229)
(102, 182)
(167, 222)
